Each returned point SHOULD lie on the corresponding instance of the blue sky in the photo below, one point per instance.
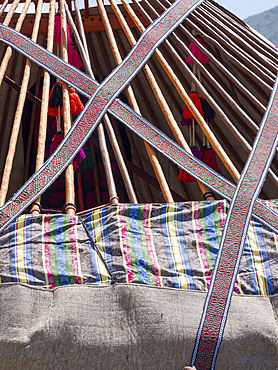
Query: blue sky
(245, 8)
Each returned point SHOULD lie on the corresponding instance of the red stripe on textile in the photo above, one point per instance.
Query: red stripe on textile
(47, 253)
(73, 248)
(149, 244)
(123, 230)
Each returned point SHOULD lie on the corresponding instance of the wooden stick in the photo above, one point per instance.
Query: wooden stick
(69, 172)
(154, 160)
(8, 53)
(35, 209)
(10, 13)
(95, 171)
(216, 145)
(128, 132)
(19, 110)
(3, 7)
(81, 28)
(112, 137)
(31, 129)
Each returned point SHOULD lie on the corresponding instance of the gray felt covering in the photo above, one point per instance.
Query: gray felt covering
(127, 327)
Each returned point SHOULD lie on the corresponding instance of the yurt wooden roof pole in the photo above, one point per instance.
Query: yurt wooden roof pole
(229, 45)
(31, 128)
(103, 148)
(35, 209)
(8, 53)
(104, 70)
(243, 36)
(261, 87)
(3, 7)
(69, 172)
(151, 153)
(81, 28)
(21, 101)
(217, 20)
(242, 114)
(154, 85)
(106, 120)
(215, 144)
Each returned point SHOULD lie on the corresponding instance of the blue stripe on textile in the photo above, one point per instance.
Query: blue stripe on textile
(13, 251)
(214, 246)
(106, 239)
(182, 247)
(263, 257)
(167, 240)
(61, 259)
(28, 249)
(137, 245)
(94, 255)
(251, 264)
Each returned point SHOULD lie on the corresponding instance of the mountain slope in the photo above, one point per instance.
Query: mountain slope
(266, 23)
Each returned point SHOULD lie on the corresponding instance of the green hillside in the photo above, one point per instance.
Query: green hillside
(266, 23)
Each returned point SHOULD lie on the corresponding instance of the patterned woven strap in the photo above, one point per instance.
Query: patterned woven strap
(219, 296)
(87, 86)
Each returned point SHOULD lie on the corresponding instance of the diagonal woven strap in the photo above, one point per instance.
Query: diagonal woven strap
(87, 86)
(219, 296)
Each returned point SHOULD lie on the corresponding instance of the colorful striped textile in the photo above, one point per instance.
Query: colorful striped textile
(164, 245)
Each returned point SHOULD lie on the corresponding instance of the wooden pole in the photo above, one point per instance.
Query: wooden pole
(3, 7)
(19, 110)
(35, 209)
(8, 53)
(69, 172)
(154, 160)
(109, 128)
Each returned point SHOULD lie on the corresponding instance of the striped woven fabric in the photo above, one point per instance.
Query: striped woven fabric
(171, 245)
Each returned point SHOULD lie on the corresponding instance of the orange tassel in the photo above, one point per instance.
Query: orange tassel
(76, 106)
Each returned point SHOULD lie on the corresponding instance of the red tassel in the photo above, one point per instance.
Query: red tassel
(74, 58)
(196, 101)
(209, 158)
(57, 31)
(56, 141)
(76, 106)
(184, 176)
(197, 53)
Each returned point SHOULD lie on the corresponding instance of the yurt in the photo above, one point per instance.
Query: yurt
(139, 187)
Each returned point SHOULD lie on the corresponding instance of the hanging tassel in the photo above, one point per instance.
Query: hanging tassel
(202, 58)
(77, 159)
(194, 96)
(57, 31)
(186, 122)
(73, 57)
(76, 106)
(184, 176)
(56, 141)
(209, 113)
(87, 164)
(209, 158)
